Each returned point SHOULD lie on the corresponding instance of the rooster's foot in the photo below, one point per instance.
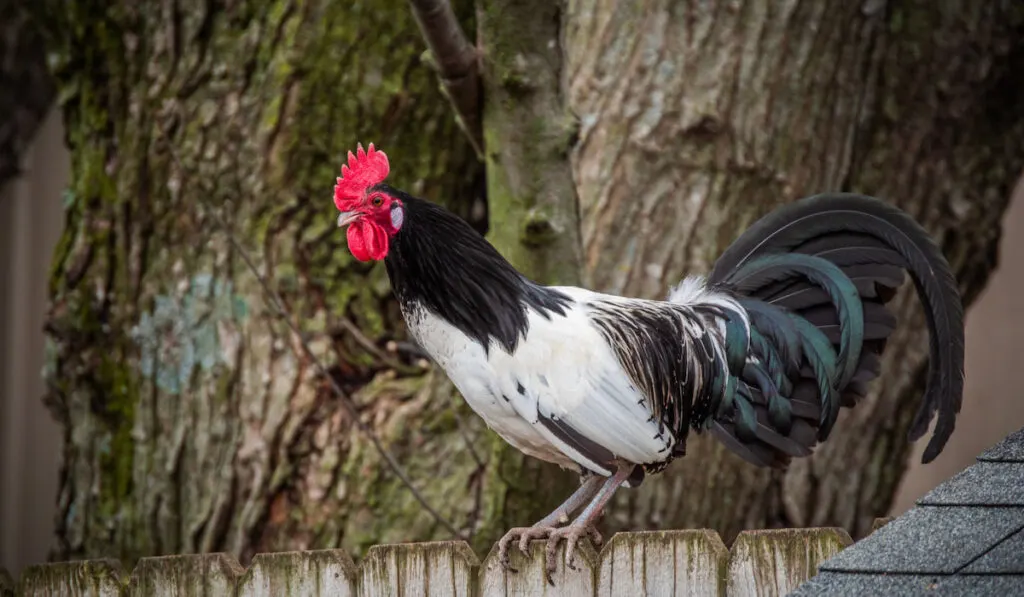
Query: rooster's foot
(571, 534)
(525, 535)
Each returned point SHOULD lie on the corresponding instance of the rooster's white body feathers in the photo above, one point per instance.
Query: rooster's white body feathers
(563, 375)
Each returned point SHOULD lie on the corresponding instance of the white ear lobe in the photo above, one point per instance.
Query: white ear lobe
(397, 217)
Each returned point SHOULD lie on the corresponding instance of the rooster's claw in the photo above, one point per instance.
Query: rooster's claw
(525, 535)
(572, 534)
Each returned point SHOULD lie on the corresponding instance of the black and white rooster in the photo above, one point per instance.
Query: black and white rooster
(788, 327)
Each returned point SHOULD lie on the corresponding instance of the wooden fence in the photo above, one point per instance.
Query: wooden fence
(761, 563)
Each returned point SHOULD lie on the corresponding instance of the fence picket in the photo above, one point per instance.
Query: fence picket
(529, 576)
(681, 563)
(208, 575)
(85, 578)
(419, 569)
(774, 562)
(320, 573)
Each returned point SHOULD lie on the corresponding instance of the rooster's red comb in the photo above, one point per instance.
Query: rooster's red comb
(364, 169)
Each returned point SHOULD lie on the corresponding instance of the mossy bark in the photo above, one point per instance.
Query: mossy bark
(528, 133)
(193, 422)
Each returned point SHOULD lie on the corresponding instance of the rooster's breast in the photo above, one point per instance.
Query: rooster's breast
(473, 372)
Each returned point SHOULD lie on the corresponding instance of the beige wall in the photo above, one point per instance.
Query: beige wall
(992, 407)
(30, 221)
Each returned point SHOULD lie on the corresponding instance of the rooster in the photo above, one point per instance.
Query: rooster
(788, 327)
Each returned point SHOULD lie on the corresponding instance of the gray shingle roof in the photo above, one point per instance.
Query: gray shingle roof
(965, 537)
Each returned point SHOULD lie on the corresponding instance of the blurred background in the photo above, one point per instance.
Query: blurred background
(153, 120)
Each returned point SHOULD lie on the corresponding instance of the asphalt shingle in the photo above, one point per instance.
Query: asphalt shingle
(929, 540)
(1010, 449)
(984, 484)
(838, 584)
(827, 584)
(965, 537)
(1005, 558)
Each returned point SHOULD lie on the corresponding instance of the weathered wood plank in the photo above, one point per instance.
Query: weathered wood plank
(85, 578)
(208, 575)
(681, 563)
(320, 573)
(880, 522)
(775, 562)
(419, 569)
(529, 576)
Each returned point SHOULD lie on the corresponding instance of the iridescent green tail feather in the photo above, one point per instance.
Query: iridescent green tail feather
(815, 277)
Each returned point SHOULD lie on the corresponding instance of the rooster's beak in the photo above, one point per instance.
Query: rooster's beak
(347, 217)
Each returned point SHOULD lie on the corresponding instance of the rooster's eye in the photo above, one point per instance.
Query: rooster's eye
(377, 201)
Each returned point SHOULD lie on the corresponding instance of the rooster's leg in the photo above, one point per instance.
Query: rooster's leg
(545, 526)
(583, 526)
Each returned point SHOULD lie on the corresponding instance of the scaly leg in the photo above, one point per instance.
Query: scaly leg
(546, 526)
(584, 524)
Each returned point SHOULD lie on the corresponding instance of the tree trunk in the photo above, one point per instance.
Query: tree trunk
(699, 117)
(193, 420)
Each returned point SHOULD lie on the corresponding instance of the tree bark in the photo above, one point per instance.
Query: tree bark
(529, 133)
(626, 144)
(193, 421)
(697, 118)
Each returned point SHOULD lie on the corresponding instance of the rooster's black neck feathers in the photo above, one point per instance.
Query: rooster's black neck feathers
(437, 261)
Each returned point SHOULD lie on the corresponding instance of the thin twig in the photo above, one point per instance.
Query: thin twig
(457, 62)
(460, 423)
(477, 475)
(354, 331)
(345, 400)
(477, 479)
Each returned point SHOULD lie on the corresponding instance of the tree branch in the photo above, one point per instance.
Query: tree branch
(532, 201)
(457, 63)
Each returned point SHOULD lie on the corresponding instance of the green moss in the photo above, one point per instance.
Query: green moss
(896, 20)
(527, 134)
(504, 205)
(95, 577)
(118, 417)
(371, 321)
(800, 551)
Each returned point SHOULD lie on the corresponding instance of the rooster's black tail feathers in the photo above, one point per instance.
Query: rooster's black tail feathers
(815, 277)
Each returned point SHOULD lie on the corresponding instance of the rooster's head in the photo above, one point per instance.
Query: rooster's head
(372, 214)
